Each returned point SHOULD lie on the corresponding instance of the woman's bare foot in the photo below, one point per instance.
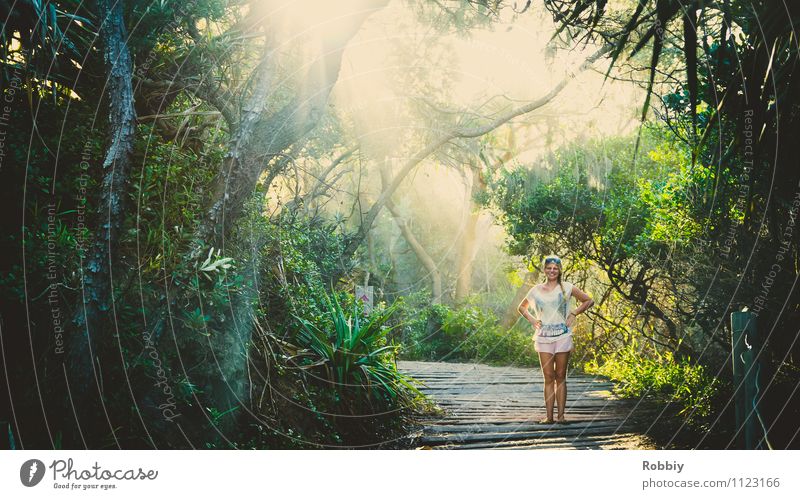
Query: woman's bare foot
(546, 421)
(561, 420)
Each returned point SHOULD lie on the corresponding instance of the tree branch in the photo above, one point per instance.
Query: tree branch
(372, 214)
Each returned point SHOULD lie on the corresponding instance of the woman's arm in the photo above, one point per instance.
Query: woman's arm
(523, 309)
(582, 297)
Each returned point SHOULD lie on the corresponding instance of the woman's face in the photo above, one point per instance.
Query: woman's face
(551, 271)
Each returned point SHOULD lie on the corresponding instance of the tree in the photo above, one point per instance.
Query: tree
(416, 246)
(445, 137)
(629, 226)
(98, 289)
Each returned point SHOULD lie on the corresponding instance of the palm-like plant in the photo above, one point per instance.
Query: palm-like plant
(355, 354)
(34, 40)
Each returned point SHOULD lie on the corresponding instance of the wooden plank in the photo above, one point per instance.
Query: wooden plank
(498, 407)
(502, 436)
(510, 427)
(498, 419)
(622, 440)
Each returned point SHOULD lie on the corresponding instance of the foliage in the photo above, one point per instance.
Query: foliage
(355, 355)
(662, 378)
(323, 362)
(419, 331)
(467, 333)
(673, 238)
(297, 256)
(644, 224)
(643, 227)
(457, 16)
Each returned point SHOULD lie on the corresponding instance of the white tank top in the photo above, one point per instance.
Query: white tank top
(551, 307)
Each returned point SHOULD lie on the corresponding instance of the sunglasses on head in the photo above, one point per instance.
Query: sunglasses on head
(552, 260)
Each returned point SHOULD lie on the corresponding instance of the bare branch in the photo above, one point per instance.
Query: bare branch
(446, 137)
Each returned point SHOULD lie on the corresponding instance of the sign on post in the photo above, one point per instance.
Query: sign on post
(364, 295)
(743, 341)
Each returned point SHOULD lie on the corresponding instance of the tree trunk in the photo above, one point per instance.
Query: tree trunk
(263, 136)
(469, 246)
(468, 250)
(256, 150)
(92, 316)
(416, 246)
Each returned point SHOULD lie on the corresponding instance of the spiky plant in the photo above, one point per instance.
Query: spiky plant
(355, 354)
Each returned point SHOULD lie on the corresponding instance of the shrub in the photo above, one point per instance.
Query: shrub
(418, 328)
(660, 378)
(496, 345)
(469, 333)
(355, 355)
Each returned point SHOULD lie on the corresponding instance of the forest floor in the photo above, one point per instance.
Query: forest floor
(499, 408)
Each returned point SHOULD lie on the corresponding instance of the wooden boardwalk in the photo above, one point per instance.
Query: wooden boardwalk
(498, 407)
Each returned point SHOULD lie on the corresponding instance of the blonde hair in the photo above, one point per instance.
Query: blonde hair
(557, 261)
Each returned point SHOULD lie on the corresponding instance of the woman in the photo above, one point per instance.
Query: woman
(553, 337)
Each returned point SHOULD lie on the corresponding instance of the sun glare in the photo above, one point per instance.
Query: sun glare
(492, 70)
(316, 20)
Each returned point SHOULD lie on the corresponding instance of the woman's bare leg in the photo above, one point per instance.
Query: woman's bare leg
(561, 362)
(549, 374)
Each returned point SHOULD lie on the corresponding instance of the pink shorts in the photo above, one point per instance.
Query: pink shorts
(554, 347)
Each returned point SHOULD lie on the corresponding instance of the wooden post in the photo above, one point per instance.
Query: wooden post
(743, 341)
